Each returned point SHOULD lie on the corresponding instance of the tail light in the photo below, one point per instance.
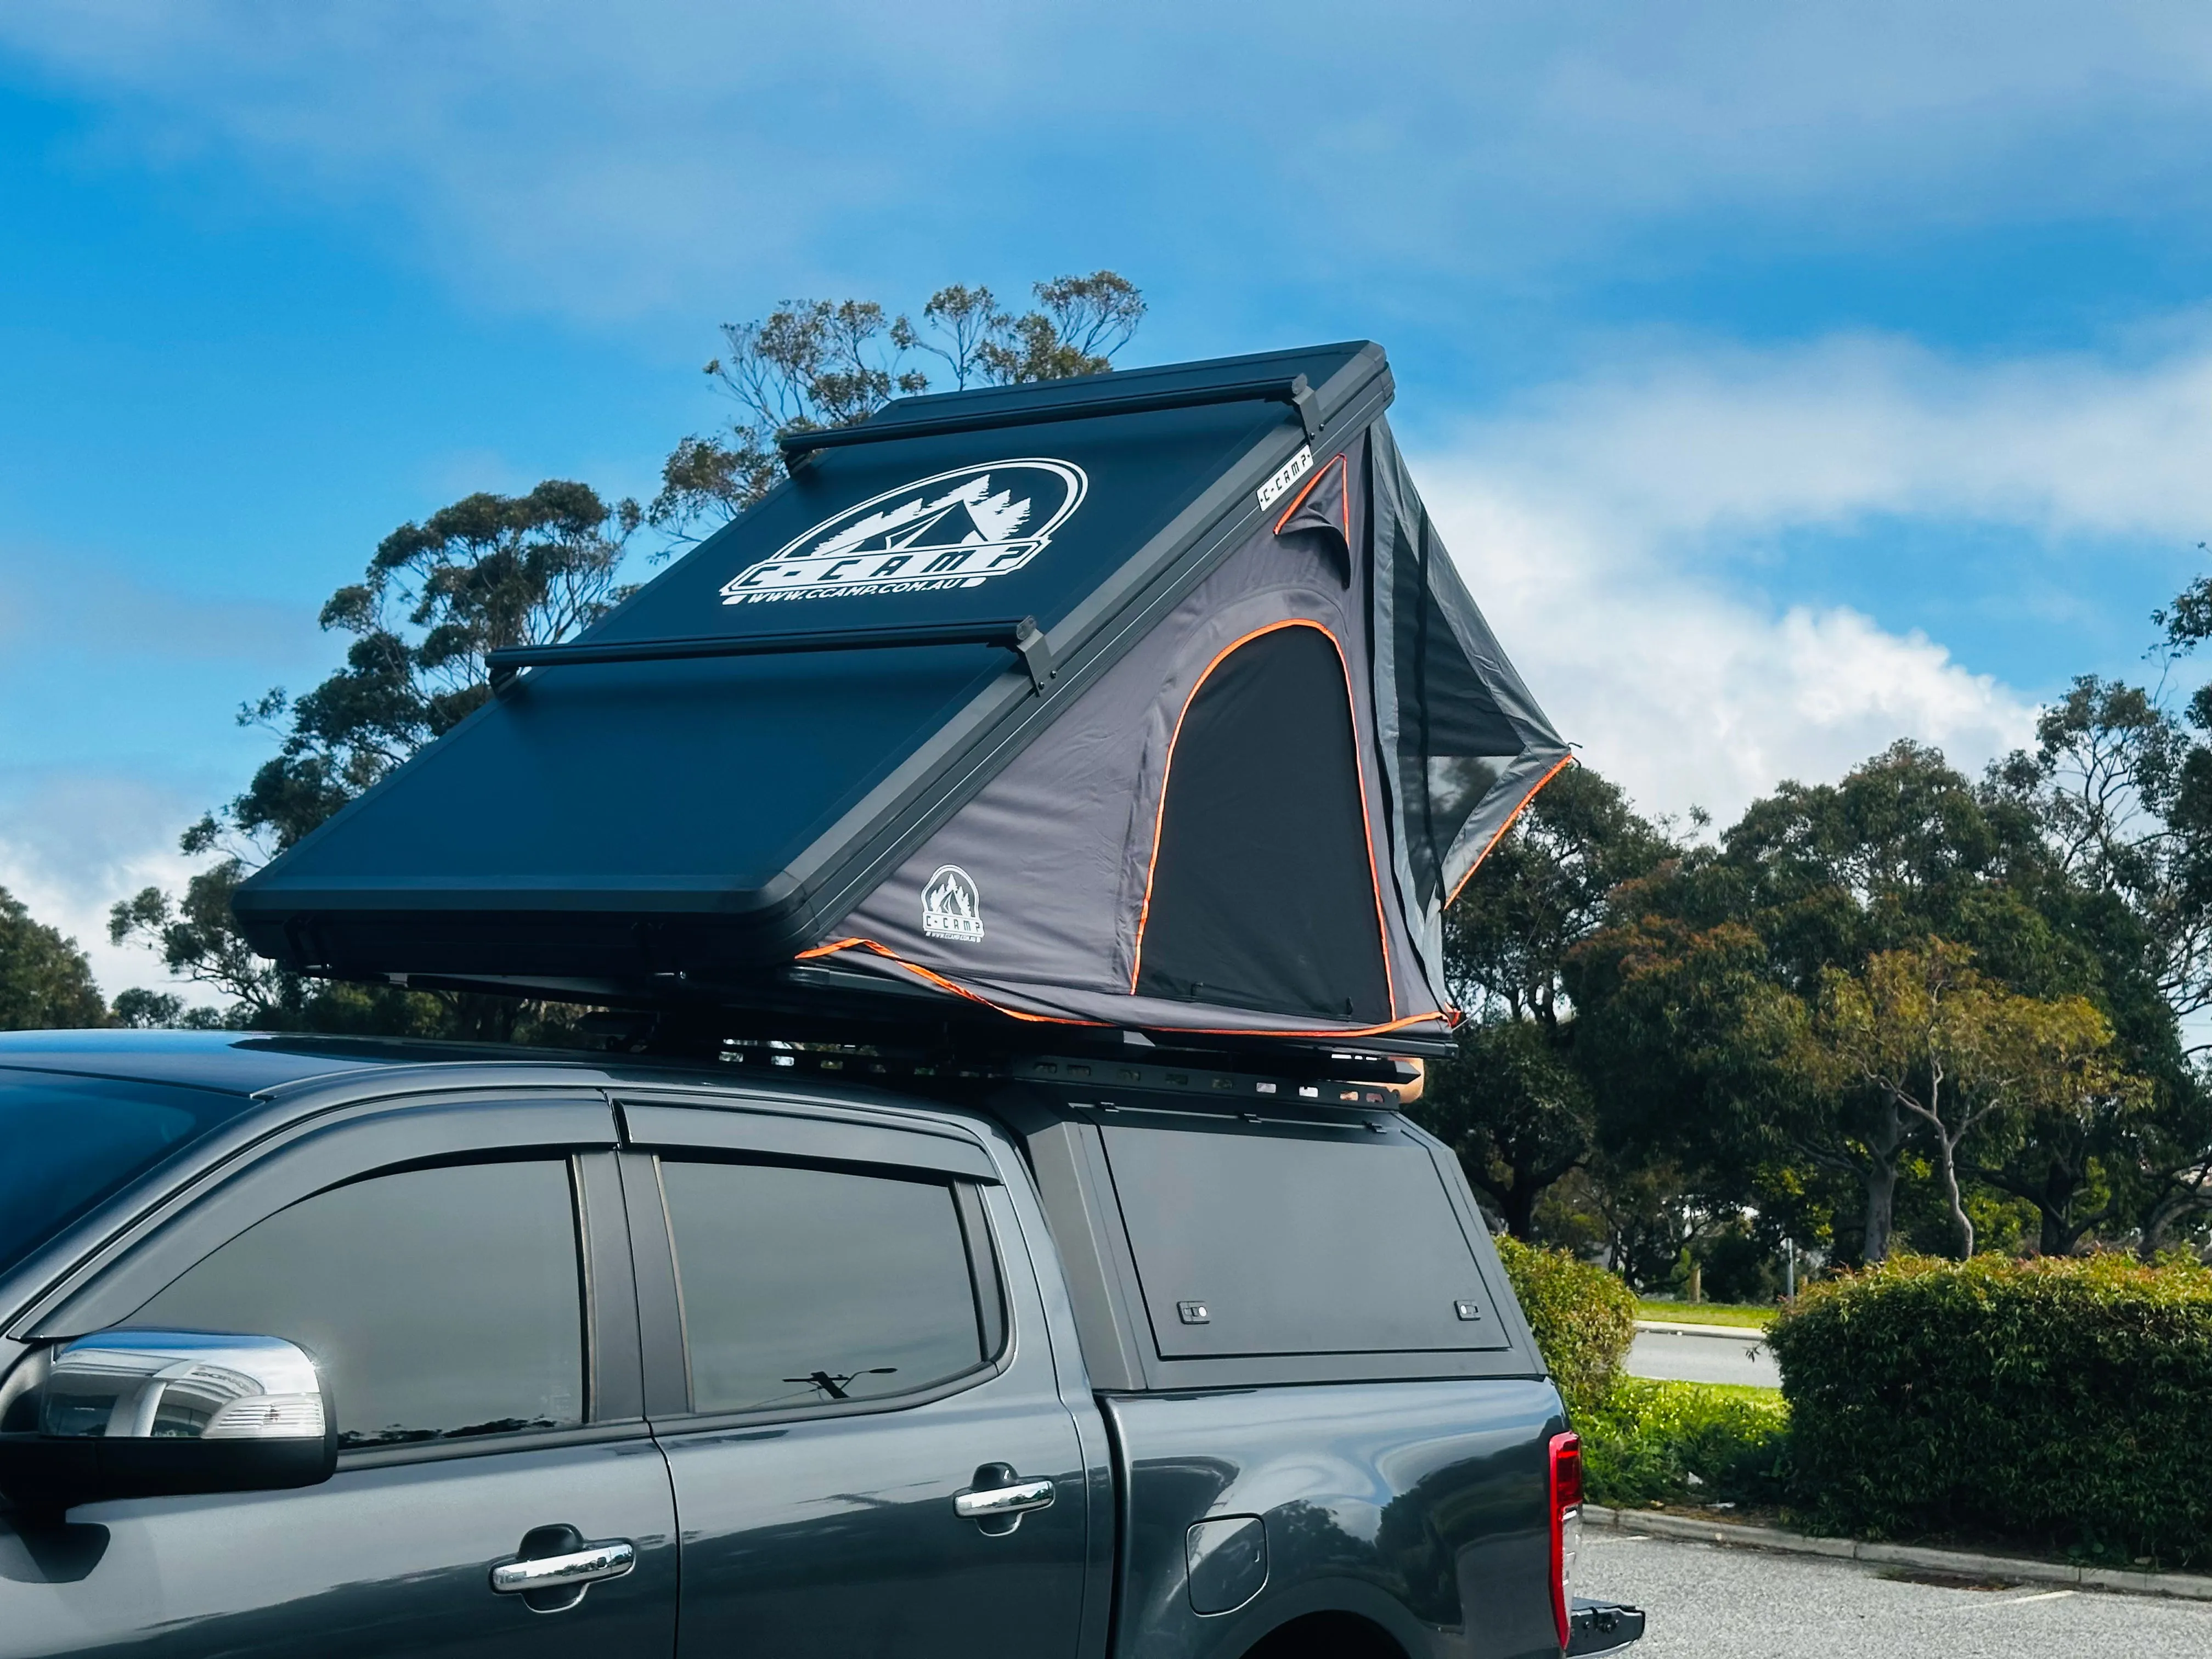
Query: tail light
(1566, 1493)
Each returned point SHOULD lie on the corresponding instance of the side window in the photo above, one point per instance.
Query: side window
(802, 1286)
(439, 1304)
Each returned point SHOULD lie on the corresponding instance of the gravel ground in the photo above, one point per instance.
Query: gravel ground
(1708, 1602)
(1703, 1359)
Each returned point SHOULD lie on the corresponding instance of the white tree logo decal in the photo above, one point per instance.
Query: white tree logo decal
(951, 908)
(955, 530)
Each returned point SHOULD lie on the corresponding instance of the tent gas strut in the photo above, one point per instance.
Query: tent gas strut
(1022, 636)
(1293, 390)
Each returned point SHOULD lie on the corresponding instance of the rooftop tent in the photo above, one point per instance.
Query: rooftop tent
(1147, 700)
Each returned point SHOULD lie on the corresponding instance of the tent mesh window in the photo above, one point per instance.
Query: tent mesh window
(1262, 891)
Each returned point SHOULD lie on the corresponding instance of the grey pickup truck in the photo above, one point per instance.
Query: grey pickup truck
(322, 1347)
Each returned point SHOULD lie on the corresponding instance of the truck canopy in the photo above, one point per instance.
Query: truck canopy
(1148, 700)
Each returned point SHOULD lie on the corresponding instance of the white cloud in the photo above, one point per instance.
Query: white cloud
(1682, 693)
(1688, 441)
(1597, 523)
(72, 844)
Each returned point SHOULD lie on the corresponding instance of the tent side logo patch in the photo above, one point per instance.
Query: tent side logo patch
(951, 908)
(956, 529)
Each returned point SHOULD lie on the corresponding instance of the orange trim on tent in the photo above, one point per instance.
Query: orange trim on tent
(1299, 500)
(1450, 1018)
(1366, 828)
(1563, 761)
(939, 981)
(1450, 1022)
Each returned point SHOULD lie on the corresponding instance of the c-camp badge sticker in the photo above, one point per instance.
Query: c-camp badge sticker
(951, 908)
(955, 530)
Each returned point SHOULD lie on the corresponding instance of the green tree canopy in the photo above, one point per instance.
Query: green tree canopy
(1513, 1104)
(1921, 1029)
(1708, 973)
(45, 983)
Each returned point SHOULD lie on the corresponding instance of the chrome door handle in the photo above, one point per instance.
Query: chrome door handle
(587, 1565)
(1019, 1499)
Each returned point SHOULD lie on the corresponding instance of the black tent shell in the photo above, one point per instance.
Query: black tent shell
(1148, 700)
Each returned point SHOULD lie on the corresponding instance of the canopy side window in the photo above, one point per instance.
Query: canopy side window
(1277, 1241)
(1262, 888)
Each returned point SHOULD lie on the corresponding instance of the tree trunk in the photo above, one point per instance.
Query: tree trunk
(1948, 1161)
(2056, 1208)
(2168, 1210)
(1517, 1204)
(1879, 1178)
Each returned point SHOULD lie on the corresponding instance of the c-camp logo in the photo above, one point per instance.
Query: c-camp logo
(956, 529)
(951, 908)
(1287, 475)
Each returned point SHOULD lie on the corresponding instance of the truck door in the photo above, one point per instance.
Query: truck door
(470, 1314)
(847, 1368)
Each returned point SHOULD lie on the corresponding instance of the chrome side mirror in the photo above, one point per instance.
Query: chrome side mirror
(144, 1414)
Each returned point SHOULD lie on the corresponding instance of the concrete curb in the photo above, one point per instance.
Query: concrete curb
(1748, 1333)
(1733, 1534)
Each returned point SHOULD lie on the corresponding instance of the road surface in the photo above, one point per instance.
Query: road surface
(1709, 1602)
(1729, 1356)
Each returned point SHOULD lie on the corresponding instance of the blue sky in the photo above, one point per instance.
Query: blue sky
(1787, 378)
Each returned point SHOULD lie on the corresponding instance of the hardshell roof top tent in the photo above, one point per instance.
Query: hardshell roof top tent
(1149, 699)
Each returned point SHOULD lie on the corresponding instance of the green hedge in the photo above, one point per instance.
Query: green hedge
(2063, 1400)
(1584, 1318)
(1650, 1442)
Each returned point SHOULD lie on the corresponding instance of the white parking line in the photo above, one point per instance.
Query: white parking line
(2045, 1596)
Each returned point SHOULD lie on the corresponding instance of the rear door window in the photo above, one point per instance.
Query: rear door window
(1253, 1245)
(439, 1304)
(804, 1286)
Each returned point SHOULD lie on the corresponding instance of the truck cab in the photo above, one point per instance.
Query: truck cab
(334, 1348)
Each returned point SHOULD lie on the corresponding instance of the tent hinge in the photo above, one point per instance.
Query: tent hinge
(1036, 653)
(889, 423)
(507, 663)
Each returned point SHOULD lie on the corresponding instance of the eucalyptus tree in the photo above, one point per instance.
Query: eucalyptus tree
(815, 363)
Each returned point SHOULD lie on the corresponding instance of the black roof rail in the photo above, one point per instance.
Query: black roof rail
(1293, 390)
(1021, 635)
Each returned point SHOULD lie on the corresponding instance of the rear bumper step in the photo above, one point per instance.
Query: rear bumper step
(1602, 1627)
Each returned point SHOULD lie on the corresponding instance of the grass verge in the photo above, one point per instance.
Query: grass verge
(1750, 1316)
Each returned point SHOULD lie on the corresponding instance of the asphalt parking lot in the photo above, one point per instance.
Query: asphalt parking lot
(1706, 1602)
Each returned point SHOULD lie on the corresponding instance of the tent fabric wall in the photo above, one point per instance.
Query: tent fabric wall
(1059, 848)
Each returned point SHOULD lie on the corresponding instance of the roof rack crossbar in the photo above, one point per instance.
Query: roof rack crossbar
(1293, 390)
(1021, 637)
